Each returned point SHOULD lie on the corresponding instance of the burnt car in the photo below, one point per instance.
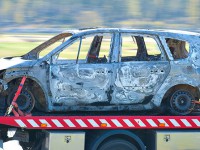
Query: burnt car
(107, 70)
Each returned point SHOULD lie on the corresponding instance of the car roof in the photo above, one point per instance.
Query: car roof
(165, 32)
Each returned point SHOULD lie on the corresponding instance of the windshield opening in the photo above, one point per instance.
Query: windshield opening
(47, 46)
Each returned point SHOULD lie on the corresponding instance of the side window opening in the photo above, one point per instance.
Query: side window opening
(84, 47)
(151, 46)
(70, 53)
(178, 48)
(93, 49)
(93, 52)
(99, 49)
(105, 47)
(129, 48)
(139, 48)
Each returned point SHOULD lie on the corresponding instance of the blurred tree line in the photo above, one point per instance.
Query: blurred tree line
(110, 13)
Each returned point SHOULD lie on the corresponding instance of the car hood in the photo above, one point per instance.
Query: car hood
(14, 62)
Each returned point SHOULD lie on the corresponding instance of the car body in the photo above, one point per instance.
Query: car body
(138, 70)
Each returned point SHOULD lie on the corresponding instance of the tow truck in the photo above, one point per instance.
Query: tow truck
(101, 132)
(98, 130)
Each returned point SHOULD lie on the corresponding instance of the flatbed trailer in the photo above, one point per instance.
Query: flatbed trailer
(61, 132)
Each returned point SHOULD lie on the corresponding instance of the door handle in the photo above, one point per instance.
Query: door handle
(79, 83)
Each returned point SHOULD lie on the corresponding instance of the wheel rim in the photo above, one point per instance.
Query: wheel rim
(25, 101)
(181, 102)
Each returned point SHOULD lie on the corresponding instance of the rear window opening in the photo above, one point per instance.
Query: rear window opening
(140, 48)
(178, 48)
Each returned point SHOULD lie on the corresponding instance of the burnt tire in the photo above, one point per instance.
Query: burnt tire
(117, 144)
(180, 103)
(25, 101)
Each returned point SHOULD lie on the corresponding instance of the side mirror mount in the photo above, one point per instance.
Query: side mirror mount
(44, 64)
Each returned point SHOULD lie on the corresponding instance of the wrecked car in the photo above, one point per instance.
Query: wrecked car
(107, 70)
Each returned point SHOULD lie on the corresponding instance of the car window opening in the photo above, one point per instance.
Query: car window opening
(139, 48)
(179, 49)
(94, 50)
(99, 49)
(88, 49)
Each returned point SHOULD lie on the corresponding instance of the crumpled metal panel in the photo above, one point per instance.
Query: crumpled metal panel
(80, 84)
(137, 80)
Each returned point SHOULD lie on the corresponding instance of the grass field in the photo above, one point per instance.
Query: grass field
(16, 48)
(18, 45)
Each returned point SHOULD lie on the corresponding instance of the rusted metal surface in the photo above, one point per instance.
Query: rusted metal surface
(110, 83)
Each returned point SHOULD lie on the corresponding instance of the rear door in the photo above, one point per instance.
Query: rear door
(141, 71)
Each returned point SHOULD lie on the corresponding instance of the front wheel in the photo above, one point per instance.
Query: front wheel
(117, 144)
(25, 101)
(181, 102)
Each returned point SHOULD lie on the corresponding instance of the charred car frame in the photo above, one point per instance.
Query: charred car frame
(107, 70)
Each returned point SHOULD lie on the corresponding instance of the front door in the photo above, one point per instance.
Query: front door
(86, 79)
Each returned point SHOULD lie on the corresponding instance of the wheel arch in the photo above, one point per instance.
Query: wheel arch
(194, 90)
(124, 134)
(37, 90)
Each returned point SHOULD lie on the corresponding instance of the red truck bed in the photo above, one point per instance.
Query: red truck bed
(103, 122)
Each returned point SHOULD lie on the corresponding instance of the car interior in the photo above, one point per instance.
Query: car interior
(177, 48)
(93, 53)
(141, 54)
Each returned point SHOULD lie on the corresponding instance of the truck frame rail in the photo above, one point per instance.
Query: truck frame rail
(102, 122)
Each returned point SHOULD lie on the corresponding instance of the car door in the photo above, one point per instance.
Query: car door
(141, 71)
(84, 78)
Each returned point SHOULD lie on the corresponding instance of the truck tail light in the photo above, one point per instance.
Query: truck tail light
(43, 125)
(103, 125)
(161, 125)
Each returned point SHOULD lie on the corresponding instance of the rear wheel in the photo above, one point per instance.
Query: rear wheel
(117, 144)
(181, 102)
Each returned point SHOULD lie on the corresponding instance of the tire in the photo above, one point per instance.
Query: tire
(25, 101)
(117, 144)
(181, 103)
